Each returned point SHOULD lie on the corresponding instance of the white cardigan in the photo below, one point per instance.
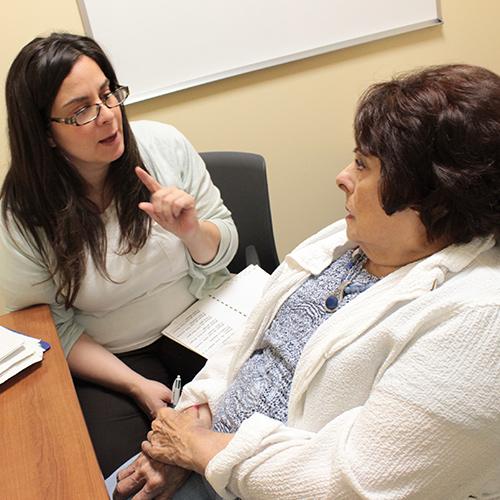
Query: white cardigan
(397, 395)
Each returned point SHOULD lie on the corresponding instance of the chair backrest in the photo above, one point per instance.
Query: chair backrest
(242, 181)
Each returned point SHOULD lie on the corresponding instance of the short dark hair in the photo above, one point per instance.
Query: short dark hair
(42, 192)
(437, 134)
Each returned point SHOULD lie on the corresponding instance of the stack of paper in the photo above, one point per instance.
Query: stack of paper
(17, 352)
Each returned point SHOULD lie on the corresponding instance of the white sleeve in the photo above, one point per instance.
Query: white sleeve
(214, 378)
(209, 205)
(430, 425)
(218, 373)
(172, 160)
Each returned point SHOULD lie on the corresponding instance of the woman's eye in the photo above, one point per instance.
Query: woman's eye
(80, 109)
(105, 94)
(359, 164)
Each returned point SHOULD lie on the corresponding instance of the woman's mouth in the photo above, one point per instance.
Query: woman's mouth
(109, 139)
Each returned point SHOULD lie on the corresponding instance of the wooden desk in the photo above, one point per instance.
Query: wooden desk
(45, 449)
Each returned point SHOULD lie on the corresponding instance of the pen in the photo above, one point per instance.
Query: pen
(176, 390)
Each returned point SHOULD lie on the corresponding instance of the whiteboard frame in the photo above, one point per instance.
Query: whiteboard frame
(203, 79)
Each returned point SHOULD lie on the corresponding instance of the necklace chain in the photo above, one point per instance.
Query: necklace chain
(353, 268)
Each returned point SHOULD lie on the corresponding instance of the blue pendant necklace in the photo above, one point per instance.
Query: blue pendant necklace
(353, 268)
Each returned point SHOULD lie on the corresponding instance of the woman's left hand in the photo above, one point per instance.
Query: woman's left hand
(147, 479)
(184, 439)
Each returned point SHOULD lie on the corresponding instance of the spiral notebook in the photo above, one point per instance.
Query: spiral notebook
(211, 321)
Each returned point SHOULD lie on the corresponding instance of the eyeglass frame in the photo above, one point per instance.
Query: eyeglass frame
(71, 120)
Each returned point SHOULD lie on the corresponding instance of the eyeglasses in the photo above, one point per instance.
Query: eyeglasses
(90, 113)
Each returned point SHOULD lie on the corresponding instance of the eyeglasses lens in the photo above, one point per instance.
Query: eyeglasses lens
(112, 100)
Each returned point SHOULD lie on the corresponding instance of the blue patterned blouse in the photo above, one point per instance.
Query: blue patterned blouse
(264, 381)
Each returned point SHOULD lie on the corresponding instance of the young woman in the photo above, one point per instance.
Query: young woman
(116, 226)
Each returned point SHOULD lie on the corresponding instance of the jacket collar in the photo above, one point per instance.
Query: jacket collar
(317, 252)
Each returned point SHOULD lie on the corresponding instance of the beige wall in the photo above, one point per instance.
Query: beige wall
(298, 115)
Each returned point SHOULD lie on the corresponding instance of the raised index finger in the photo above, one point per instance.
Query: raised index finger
(152, 184)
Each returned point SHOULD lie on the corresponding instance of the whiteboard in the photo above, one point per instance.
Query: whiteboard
(161, 46)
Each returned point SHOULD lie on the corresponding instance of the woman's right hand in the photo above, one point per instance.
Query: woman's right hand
(150, 395)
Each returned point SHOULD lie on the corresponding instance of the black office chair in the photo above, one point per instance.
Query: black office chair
(242, 181)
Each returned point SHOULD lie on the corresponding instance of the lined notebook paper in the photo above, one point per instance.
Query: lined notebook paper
(211, 321)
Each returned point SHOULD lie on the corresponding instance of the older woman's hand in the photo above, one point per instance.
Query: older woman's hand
(184, 439)
(146, 479)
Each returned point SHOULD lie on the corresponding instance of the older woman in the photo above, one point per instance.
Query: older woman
(371, 366)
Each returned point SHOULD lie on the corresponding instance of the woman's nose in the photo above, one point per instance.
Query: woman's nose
(344, 179)
(105, 114)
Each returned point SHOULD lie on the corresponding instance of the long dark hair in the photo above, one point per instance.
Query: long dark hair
(437, 134)
(43, 195)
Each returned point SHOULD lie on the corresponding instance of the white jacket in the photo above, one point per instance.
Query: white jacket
(397, 395)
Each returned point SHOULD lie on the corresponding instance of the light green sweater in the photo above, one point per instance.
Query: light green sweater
(151, 287)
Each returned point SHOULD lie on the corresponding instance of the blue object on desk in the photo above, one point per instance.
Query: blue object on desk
(45, 345)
